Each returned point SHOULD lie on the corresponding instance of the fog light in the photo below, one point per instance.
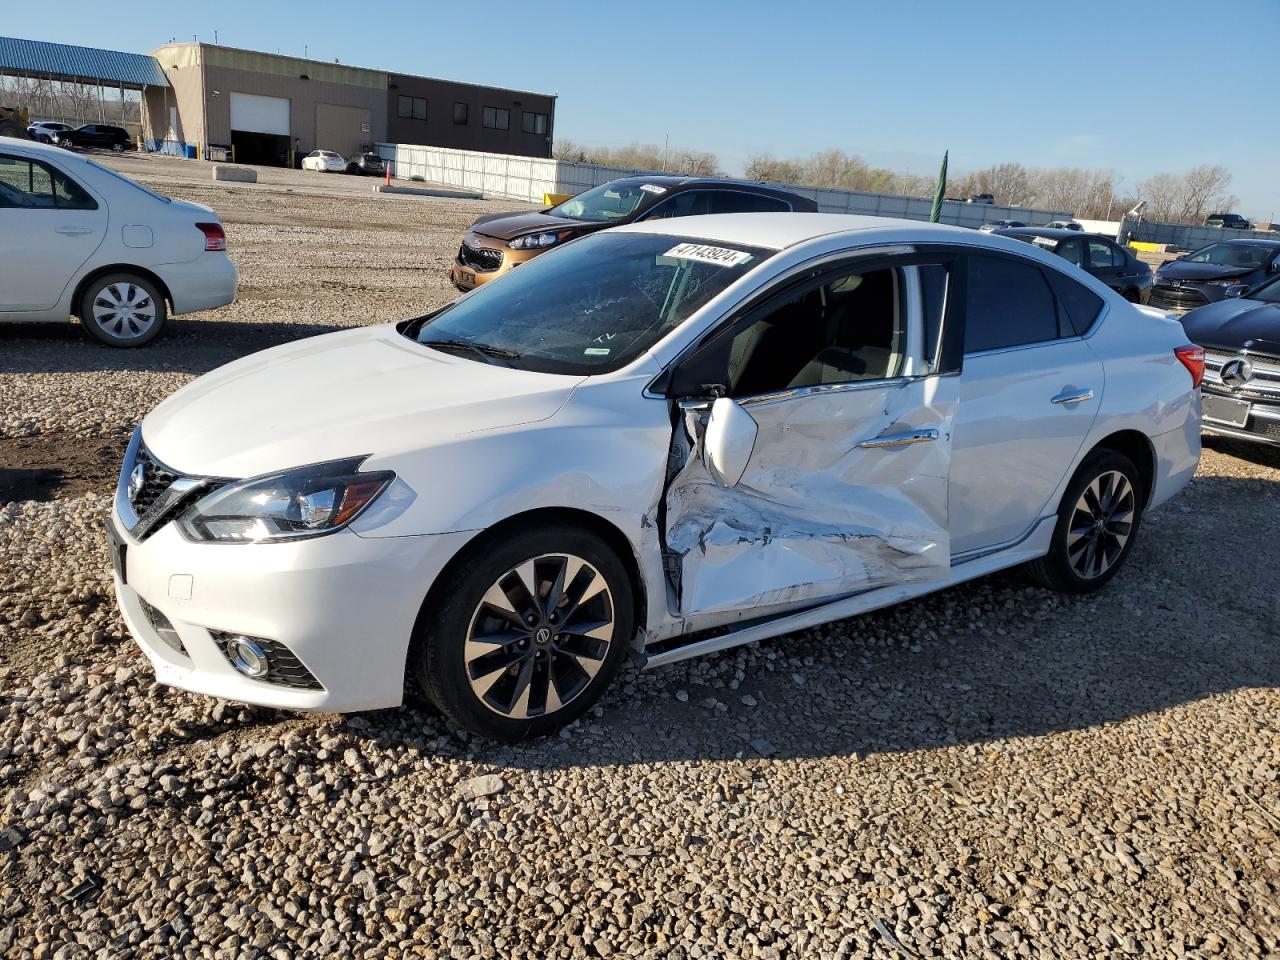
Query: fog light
(163, 627)
(247, 657)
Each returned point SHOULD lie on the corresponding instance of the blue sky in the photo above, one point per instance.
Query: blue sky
(1138, 88)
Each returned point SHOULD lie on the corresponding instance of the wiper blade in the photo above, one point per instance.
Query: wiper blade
(486, 353)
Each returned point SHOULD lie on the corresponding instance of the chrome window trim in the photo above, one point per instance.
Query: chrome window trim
(848, 386)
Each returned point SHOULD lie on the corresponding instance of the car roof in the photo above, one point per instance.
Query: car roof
(777, 231)
(42, 150)
(1055, 233)
(677, 182)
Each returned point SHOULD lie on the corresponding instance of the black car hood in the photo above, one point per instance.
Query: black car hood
(1233, 324)
(1181, 270)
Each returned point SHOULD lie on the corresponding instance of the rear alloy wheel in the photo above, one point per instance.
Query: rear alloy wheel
(117, 148)
(528, 634)
(1097, 523)
(122, 310)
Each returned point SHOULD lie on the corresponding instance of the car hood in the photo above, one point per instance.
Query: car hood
(1231, 324)
(364, 391)
(508, 226)
(1181, 270)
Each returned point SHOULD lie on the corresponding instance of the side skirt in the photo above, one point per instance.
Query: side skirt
(1033, 546)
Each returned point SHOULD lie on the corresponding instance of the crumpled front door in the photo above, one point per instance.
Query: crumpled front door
(845, 490)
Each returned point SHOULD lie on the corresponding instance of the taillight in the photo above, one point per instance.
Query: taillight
(1192, 357)
(215, 238)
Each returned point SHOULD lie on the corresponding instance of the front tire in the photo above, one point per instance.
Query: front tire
(1097, 525)
(123, 310)
(526, 633)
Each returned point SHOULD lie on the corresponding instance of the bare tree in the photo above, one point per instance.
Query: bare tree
(766, 168)
(641, 156)
(1188, 197)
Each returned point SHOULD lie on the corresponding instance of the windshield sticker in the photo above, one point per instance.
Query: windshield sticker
(597, 351)
(652, 188)
(704, 253)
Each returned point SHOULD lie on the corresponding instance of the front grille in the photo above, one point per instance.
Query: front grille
(158, 480)
(481, 258)
(156, 504)
(1178, 296)
(283, 667)
(1262, 387)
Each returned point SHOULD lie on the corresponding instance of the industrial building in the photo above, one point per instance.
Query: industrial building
(264, 108)
(217, 102)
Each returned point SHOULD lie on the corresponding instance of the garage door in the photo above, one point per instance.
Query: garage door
(342, 129)
(254, 114)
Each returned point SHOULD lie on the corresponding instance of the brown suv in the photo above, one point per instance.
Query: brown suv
(500, 241)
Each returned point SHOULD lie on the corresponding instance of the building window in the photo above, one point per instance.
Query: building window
(460, 113)
(534, 123)
(496, 118)
(415, 107)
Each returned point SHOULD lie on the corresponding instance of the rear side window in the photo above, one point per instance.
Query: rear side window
(1079, 305)
(731, 201)
(1007, 304)
(1102, 254)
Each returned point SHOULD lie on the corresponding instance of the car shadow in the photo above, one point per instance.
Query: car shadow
(993, 661)
(186, 346)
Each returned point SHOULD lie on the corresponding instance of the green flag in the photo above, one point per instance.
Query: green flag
(941, 192)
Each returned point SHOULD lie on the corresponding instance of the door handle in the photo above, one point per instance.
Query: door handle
(1078, 396)
(73, 231)
(899, 439)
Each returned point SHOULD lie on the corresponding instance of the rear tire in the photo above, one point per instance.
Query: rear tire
(123, 310)
(1097, 525)
(510, 663)
(1131, 295)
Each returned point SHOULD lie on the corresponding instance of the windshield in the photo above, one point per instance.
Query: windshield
(133, 183)
(590, 307)
(610, 201)
(1246, 255)
(1268, 293)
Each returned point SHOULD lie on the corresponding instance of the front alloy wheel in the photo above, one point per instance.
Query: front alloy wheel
(539, 636)
(524, 631)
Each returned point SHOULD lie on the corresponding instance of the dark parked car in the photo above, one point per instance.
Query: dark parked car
(994, 225)
(499, 242)
(95, 135)
(369, 164)
(1241, 340)
(1112, 264)
(1229, 221)
(1207, 275)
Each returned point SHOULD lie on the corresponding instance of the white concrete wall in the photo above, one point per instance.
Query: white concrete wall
(528, 178)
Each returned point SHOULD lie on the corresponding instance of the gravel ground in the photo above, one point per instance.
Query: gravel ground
(994, 771)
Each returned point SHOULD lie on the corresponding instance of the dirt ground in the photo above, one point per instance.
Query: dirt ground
(993, 771)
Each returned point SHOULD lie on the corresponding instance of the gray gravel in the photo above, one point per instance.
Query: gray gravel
(994, 771)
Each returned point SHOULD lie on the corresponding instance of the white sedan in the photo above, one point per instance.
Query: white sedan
(324, 161)
(78, 239)
(659, 441)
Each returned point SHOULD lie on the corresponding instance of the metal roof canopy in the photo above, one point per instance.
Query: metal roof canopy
(59, 61)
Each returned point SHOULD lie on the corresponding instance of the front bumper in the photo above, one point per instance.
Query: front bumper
(344, 606)
(486, 260)
(1185, 297)
(1263, 425)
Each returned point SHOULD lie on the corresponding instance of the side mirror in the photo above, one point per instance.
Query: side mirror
(729, 440)
(1236, 291)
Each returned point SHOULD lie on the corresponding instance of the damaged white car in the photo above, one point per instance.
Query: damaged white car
(658, 441)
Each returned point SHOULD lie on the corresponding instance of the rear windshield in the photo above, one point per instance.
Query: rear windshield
(589, 307)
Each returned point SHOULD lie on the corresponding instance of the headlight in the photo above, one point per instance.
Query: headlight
(535, 240)
(1229, 282)
(290, 505)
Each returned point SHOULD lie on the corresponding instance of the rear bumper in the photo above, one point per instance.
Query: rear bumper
(204, 283)
(1177, 456)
